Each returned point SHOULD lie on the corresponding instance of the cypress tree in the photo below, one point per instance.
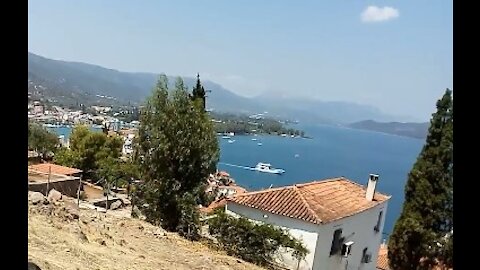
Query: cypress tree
(423, 234)
(199, 92)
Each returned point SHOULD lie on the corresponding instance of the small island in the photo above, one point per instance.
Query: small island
(253, 124)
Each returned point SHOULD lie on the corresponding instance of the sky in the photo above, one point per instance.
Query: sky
(394, 55)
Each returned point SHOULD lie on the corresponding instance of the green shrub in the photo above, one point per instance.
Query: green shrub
(256, 243)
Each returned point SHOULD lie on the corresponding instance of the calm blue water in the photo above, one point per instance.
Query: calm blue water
(65, 131)
(333, 152)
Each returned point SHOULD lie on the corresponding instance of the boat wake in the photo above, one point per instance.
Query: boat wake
(237, 166)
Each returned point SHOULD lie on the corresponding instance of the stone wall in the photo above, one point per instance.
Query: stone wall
(67, 187)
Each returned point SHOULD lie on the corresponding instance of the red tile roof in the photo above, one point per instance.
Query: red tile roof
(214, 205)
(382, 260)
(55, 169)
(317, 202)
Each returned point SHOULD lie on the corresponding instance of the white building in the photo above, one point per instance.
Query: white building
(230, 191)
(339, 221)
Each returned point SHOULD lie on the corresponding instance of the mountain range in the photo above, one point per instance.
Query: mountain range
(72, 82)
(413, 130)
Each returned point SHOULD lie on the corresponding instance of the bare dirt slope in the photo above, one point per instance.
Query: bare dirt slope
(57, 239)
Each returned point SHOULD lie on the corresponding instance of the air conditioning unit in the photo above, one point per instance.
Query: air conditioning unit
(347, 248)
(367, 258)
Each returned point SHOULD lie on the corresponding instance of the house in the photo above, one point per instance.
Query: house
(44, 182)
(229, 191)
(339, 221)
(213, 206)
(55, 169)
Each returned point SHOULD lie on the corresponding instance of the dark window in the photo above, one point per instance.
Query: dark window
(366, 256)
(377, 227)
(336, 242)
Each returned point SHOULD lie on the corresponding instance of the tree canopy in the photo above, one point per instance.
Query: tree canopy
(177, 149)
(89, 150)
(423, 234)
(41, 140)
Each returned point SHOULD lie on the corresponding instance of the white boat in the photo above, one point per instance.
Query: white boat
(297, 155)
(259, 144)
(254, 139)
(231, 141)
(226, 137)
(267, 168)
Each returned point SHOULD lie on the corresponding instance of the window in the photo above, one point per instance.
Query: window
(366, 256)
(377, 227)
(337, 242)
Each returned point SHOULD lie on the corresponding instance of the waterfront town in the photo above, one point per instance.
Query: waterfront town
(304, 209)
(337, 220)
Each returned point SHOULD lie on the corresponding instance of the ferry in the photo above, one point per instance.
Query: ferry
(267, 168)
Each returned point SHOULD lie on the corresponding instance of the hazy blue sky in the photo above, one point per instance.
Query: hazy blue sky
(396, 55)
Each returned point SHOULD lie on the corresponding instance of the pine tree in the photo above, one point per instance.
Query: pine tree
(199, 92)
(419, 237)
(177, 150)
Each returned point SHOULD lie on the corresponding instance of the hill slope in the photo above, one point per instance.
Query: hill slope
(99, 241)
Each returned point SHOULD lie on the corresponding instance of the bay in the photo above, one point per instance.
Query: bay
(333, 152)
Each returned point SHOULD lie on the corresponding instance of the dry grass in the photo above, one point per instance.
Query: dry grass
(99, 241)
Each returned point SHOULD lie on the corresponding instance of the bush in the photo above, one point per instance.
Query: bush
(256, 243)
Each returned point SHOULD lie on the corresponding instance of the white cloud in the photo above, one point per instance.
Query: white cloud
(379, 14)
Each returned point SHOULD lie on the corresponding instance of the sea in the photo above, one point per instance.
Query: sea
(333, 151)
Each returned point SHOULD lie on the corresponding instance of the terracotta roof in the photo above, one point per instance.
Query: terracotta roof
(382, 260)
(317, 202)
(223, 173)
(214, 205)
(55, 169)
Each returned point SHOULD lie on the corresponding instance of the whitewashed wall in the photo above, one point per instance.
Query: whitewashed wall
(318, 238)
(359, 229)
(301, 230)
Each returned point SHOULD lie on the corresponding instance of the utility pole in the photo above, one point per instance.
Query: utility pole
(106, 202)
(205, 101)
(48, 180)
(78, 191)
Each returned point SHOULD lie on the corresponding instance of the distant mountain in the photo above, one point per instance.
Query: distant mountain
(75, 82)
(414, 130)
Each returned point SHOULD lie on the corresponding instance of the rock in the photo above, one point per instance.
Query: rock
(33, 266)
(82, 236)
(101, 242)
(136, 212)
(116, 205)
(54, 196)
(36, 197)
